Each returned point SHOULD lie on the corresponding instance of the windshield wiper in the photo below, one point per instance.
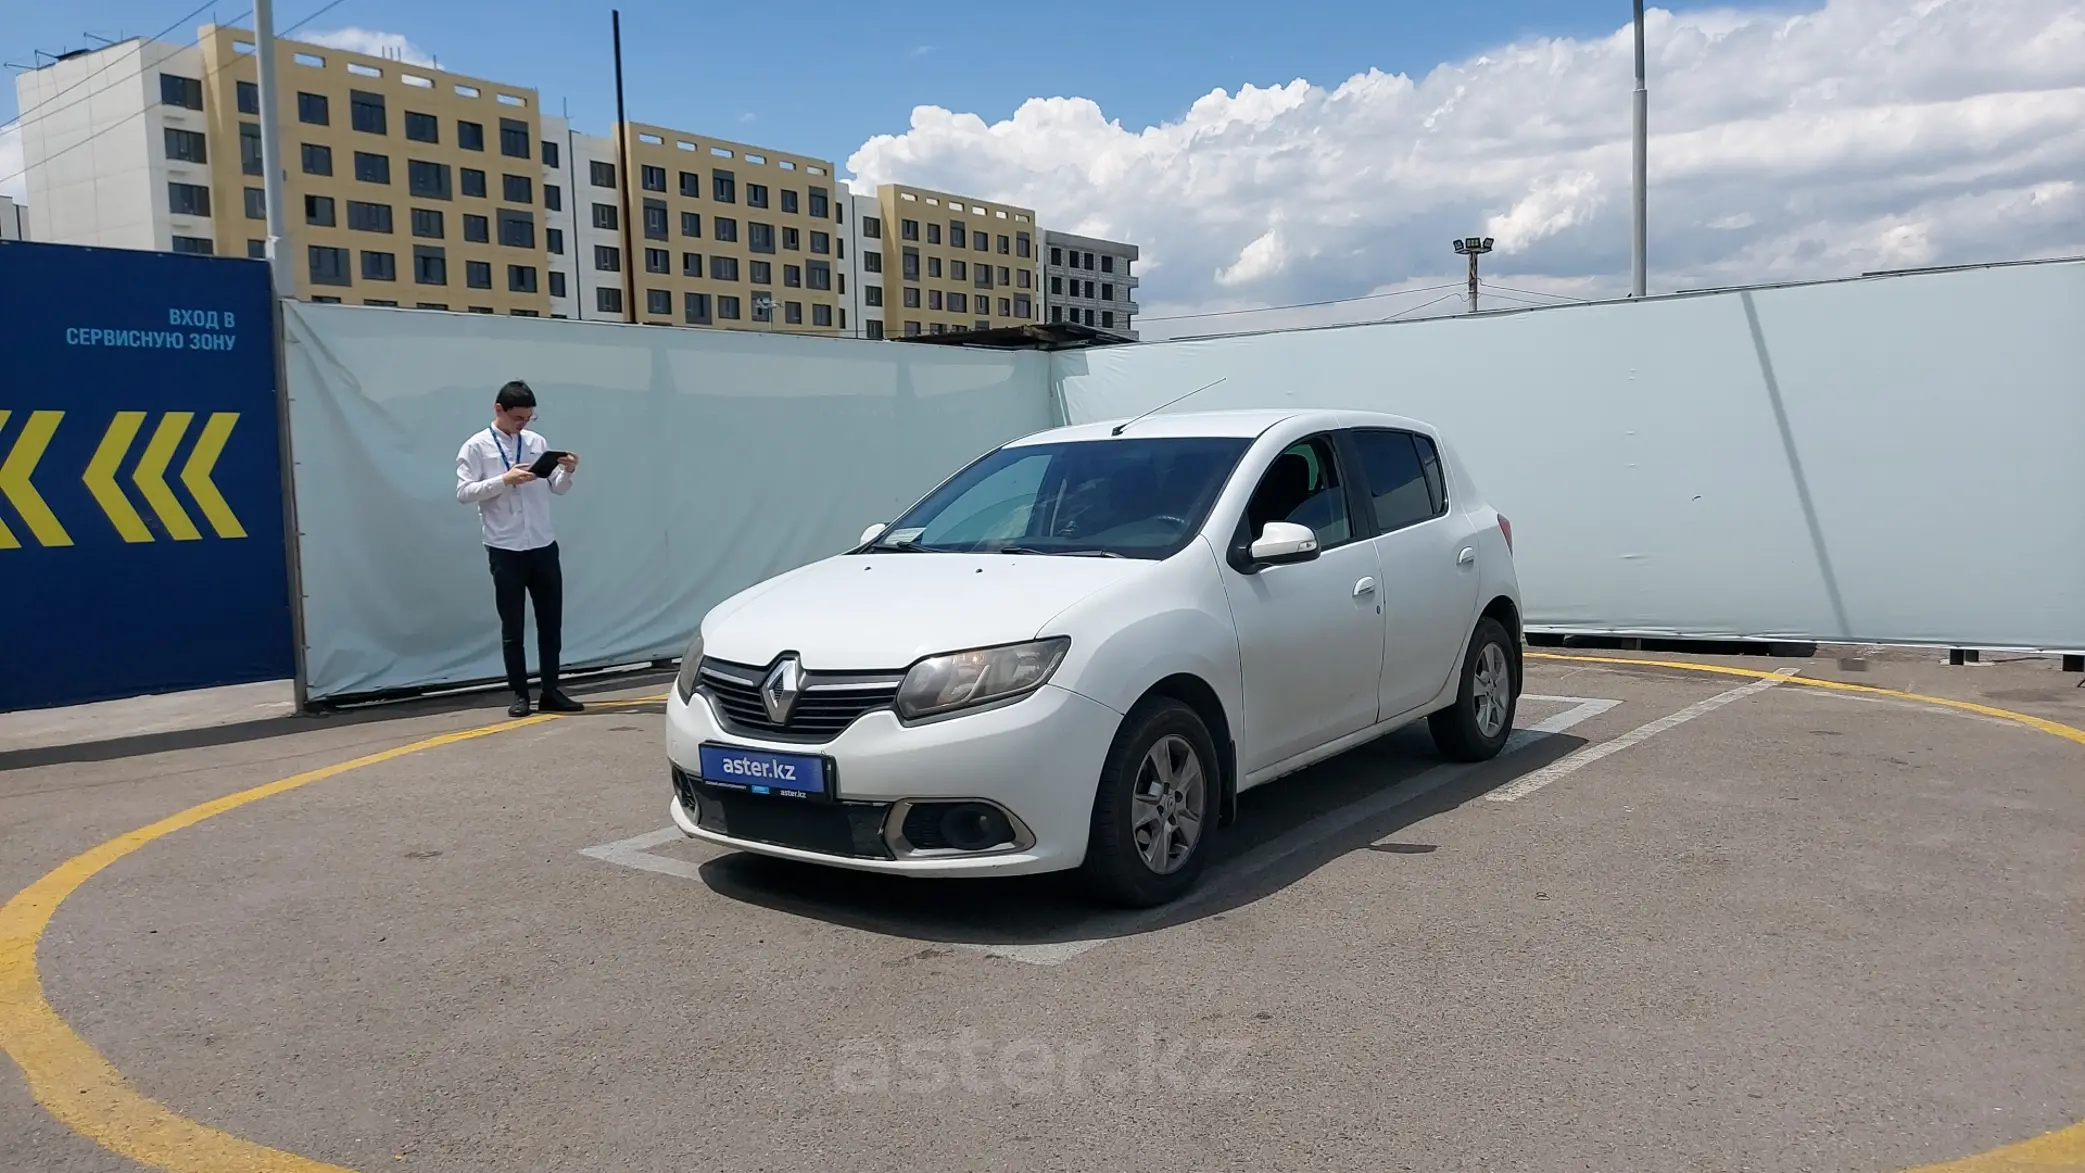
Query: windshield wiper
(1092, 553)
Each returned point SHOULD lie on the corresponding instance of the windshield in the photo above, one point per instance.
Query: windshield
(1127, 498)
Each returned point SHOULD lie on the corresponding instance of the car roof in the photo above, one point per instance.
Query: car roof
(1243, 422)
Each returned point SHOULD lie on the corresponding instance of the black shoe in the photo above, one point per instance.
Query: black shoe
(555, 701)
(519, 708)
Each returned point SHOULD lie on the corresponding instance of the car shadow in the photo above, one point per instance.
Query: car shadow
(1270, 847)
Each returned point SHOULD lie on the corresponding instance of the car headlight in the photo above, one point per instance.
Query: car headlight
(961, 680)
(691, 667)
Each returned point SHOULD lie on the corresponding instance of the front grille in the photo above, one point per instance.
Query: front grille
(828, 704)
(853, 829)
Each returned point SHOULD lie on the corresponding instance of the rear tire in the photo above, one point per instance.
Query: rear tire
(1475, 727)
(1160, 793)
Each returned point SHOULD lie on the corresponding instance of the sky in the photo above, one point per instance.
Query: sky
(1333, 151)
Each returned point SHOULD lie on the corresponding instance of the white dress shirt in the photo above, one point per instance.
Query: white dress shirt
(514, 517)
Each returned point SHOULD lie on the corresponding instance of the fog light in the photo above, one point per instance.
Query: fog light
(974, 826)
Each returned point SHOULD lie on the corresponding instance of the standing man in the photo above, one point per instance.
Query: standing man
(492, 472)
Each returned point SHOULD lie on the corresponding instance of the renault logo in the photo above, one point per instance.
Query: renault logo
(779, 691)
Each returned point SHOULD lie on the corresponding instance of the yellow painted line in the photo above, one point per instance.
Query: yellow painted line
(196, 475)
(69, 1077)
(2057, 728)
(21, 464)
(101, 476)
(151, 476)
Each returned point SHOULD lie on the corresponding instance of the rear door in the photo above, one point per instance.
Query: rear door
(1428, 555)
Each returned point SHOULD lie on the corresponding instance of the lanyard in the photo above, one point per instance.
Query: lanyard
(494, 433)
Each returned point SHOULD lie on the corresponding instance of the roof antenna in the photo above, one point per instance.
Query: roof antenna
(1161, 407)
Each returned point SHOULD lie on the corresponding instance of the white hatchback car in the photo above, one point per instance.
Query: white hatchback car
(1076, 652)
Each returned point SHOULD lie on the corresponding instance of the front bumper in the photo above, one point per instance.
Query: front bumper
(1038, 760)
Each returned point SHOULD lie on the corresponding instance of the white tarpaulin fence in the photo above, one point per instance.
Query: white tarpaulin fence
(1897, 459)
(708, 461)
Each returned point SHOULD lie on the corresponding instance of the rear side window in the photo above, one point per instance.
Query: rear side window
(1404, 477)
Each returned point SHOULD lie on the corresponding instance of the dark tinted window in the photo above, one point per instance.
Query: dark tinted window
(1403, 489)
(1135, 498)
(1303, 486)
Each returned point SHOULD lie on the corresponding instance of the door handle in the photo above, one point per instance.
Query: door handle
(1468, 555)
(1366, 586)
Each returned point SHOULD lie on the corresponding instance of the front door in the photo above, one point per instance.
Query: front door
(1310, 634)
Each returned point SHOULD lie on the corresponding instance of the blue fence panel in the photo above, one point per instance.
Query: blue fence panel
(141, 524)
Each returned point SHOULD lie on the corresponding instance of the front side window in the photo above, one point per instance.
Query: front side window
(1136, 498)
(1303, 486)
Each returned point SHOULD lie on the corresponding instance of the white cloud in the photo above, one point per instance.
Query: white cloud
(12, 184)
(1863, 134)
(371, 42)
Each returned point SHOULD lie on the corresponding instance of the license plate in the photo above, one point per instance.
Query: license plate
(760, 772)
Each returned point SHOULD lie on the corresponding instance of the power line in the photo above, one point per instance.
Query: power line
(1415, 309)
(44, 111)
(1538, 293)
(1301, 305)
(150, 106)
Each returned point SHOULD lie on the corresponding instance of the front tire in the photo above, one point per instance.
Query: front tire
(1475, 727)
(1155, 808)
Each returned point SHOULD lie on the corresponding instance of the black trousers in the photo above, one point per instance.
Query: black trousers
(536, 575)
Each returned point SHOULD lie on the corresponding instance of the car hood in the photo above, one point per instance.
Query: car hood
(884, 611)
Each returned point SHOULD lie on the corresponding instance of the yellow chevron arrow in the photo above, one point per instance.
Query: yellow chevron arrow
(15, 486)
(196, 475)
(151, 476)
(101, 476)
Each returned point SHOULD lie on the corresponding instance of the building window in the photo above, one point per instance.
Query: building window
(517, 189)
(940, 327)
(1023, 308)
(1006, 245)
(723, 228)
(523, 314)
(934, 299)
(430, 265)
(1089, 289)
(427, 223)
(477, 229)
(1056, 255)
(250, 148)
(872, 295)
(1107, 292)
(792, 240)
(477, 274)
(872, 228)
(654, 220)
(185, 92)
(872, 262)
(1089, 317)
(911, 298)
(608, 301)
(933, 234)
(760, 238)
(431, 305)
(314, 109)
(201, 246)
(517, 229)
(727, 308)
(658, 260)
(651, 178)
(428, 180)
(521, 278)
(822, 243)
(695, 308)
(789, 201)
(602, 174)
(658, 301)
(723, 268)
(792, 276)
(691, 185)
(329, 266)
(723, 187)
(554, 241)
(819, 274)
(691, 224)
(1107, 319)
(793, 313)
(875, 328)
(470, 135)
(365, 217)
(760, 272)
(188, 199)
(257, 249)
(557, 283)
(553, 197)
(1021, 244)
(1006, 307)
(608, 258)
(318, 160)
(366, 112)
(1057, 286)
(691, 264)
(955, 234)
(514, 138)
(958, 271)
(821, 204)
(908, 230)
(473, 183)
(256, 204)
(422, 128)
(957, 303)
(372, 168)
(908, 264)
(1056, 313)
(549, 154)
(1107, 263)
(756, 195)
(605, 217)
(318, 210)
(186, 146)
(933, 266)
(379, 266)
(1026, 279)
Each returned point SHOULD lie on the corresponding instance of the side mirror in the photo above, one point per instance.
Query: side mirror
(872, 533)
(1283, 542)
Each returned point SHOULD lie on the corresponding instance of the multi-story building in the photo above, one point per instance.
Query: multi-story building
(864, 269)
(403, 185)
(14, 220)
(1089, 282)
(955, 263)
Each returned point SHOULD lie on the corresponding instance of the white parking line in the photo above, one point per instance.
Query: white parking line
(636, 851)
(1529, 784)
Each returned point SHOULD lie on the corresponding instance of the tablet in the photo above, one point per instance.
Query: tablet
(546, 462)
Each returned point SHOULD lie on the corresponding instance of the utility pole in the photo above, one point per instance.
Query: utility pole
(1473, 247)
(623, 178)
(1639, 244)
(280, 266)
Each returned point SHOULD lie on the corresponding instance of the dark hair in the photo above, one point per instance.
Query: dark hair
(516, 394)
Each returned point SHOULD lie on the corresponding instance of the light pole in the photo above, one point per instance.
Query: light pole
(1638, 245)
(280, 264)
(1473, 247)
